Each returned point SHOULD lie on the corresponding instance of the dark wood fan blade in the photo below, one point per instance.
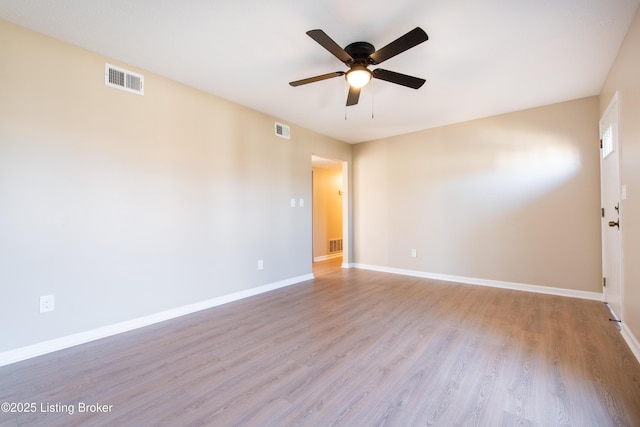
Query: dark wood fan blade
(354, 96)
(327, 42)
(316, 78)
(397, 78)
(406, 42)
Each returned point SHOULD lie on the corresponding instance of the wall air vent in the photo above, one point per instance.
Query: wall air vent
(283, 131)
(122, 79)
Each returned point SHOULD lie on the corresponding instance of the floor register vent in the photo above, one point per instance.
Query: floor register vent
(335, 245)
(120, 78)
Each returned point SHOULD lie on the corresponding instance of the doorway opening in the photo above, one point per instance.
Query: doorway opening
(329, 224)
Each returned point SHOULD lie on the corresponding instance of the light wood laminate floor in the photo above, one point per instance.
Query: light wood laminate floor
(350, 348)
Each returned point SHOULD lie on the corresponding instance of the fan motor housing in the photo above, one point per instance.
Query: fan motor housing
(360, 51)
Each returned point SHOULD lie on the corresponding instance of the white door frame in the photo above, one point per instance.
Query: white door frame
(611, 197)
(346, 209)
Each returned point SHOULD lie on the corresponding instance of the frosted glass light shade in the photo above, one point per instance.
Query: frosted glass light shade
(358, 77)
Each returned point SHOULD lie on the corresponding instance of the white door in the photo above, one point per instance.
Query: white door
(611, 216)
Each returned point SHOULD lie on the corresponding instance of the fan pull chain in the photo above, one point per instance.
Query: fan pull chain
(346, 86)
(372, 96)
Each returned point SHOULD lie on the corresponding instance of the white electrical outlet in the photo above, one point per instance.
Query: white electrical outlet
(414, 253)
(301, 203)
(46, 303)
(260, 264)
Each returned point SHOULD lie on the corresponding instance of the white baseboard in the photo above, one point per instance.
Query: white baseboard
(484, 282)
(327, 257)
(23, 353)
(631, 340)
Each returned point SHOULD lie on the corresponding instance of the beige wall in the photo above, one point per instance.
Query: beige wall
(327, 209)
(624, 77)
(511, 198)
(123, 205)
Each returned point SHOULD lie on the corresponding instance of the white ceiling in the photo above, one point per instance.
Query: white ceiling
(484, 57)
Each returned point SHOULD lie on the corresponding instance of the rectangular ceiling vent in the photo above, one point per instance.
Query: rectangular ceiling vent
(123, 79)
(283, 131)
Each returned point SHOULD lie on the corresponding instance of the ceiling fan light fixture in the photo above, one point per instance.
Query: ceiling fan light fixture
(358, 76)
(358, 56)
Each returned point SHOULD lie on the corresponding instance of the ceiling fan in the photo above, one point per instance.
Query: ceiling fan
(359, 55)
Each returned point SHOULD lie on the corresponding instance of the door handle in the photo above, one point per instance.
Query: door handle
(614, 223)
